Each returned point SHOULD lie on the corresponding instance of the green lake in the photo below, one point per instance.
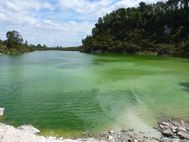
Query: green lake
(67, 93)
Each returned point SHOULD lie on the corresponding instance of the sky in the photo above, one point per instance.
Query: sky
(56, 22)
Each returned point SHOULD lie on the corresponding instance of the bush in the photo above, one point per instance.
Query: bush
(184, 49)
(165, 49)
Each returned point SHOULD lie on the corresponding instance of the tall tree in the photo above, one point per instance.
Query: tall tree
(14, 38)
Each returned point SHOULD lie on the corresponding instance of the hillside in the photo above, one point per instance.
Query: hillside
(161, 28)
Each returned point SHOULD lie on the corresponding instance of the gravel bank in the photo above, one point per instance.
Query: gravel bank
(28, 133)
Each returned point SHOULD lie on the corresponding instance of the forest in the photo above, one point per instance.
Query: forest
(161, 28)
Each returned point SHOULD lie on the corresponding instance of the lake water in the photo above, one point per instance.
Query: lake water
(66, 93)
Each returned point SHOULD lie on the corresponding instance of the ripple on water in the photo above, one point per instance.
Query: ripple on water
(72, 91)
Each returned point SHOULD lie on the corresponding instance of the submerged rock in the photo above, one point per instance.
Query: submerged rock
(1, 111)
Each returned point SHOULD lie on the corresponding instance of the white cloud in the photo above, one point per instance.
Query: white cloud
(131, 3)
(84, 6)
(92, 10)
(20, 11)
(62, 22)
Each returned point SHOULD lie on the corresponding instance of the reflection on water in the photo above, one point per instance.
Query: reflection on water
(71, 92)
(185, 86)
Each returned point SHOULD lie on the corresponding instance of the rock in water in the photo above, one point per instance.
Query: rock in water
(1, 111)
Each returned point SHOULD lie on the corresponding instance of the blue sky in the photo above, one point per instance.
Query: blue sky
(56, 22)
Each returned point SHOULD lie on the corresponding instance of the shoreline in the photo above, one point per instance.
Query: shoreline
(172, 131)
(145, 53)
(15, 51)
(27, 133)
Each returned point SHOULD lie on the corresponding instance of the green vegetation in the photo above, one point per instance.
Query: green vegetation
(14, 39)
(16, 44)
(161, 28)
(58, 48)
(74, 48)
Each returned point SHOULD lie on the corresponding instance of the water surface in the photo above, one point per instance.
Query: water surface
(71, 92)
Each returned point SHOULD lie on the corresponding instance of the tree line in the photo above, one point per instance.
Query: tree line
(161, 28)
(15, 43)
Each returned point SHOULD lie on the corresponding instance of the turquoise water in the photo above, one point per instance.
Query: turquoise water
(67, 93)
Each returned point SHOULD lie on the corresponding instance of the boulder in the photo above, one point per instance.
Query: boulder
(175, 129)
(183, 134)
(1, 111)
(29, 129)
(167, 132)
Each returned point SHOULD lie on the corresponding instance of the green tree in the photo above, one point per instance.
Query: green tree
(39, 46)
(14, 39)
(161, 27)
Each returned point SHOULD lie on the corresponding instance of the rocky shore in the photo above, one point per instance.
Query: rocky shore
(175, 129)
(172, 131)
